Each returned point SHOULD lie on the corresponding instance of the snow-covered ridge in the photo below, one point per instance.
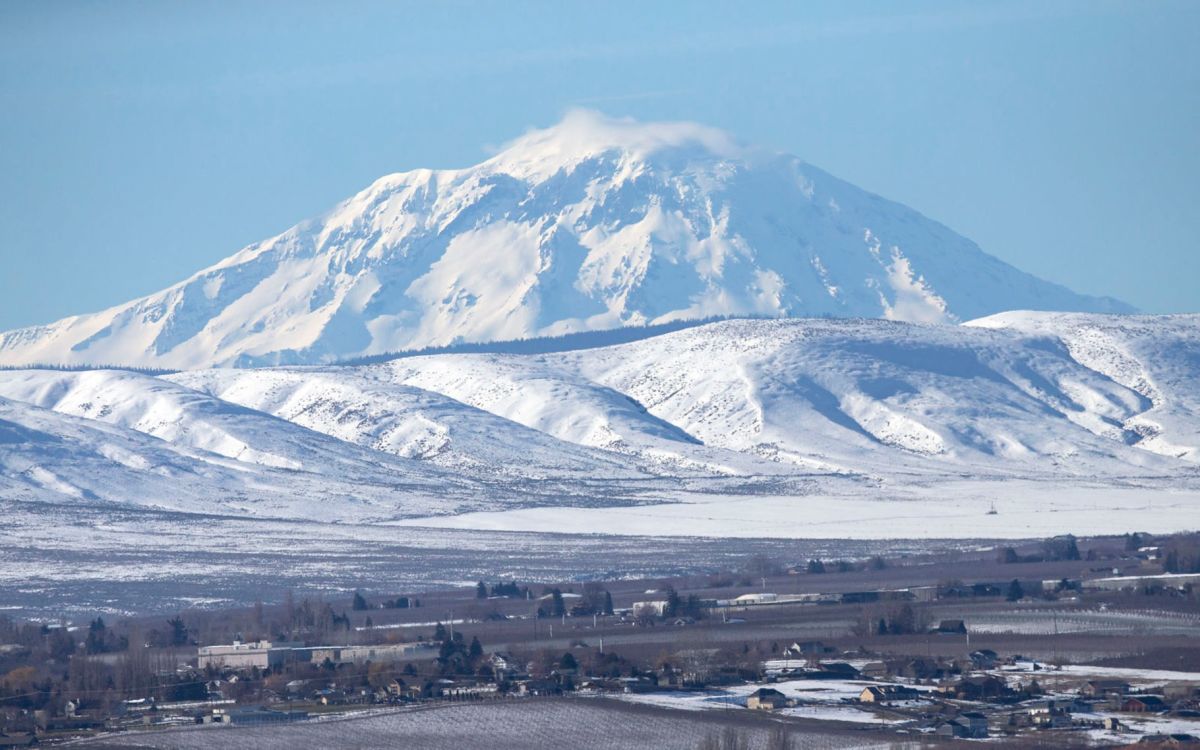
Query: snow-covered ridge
(1157, 357)
(787, 411)
(592, 224)
(851, 396)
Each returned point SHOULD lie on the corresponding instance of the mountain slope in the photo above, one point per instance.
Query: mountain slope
(50, 457)
(887, 399)
(591, 224)
(132, 439)
(1155, 356)
(405, 421)
(557, 401)
(185, 417)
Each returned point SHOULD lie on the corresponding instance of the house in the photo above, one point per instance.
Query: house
(539, 687)
(1144, 704)
(728, 676)
(1181, 691)
(766, 699)
(1105, 688)
(977, 687)
(653, 608)
(639, 684)
(924, 593)
(834, 670)
(44, 721)
(859, 597)
(464, 689)
(875, 670)
(887, 694)
(329, 696)
(296, 687)
(977, 724)
(1050, 716)
(920, 669)
(1170, 740)
(966, 726)
(951, 627)
(503, 664)
(984, 658)
(985, 589)
(566, 596)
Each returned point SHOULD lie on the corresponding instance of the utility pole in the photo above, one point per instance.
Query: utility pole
(1056, 662)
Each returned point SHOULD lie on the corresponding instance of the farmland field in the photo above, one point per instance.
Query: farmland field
(504, 725)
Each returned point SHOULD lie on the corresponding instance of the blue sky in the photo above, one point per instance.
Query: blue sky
(140, 142)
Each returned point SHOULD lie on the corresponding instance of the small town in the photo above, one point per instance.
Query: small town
(1033, 651)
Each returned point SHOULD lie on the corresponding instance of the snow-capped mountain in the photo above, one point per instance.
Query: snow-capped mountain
(591, 224)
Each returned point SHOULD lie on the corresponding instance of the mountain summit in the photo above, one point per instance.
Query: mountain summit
(592, 224)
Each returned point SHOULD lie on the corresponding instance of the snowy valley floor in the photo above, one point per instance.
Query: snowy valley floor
(950, 510)
(80, 558)
(83, 559)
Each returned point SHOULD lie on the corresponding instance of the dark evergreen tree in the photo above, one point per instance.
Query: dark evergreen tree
(1015, 592)
(671, 608)
(96, 641)
(1061, 548)
(178, 633)
(360, 603)
(1171, 562)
